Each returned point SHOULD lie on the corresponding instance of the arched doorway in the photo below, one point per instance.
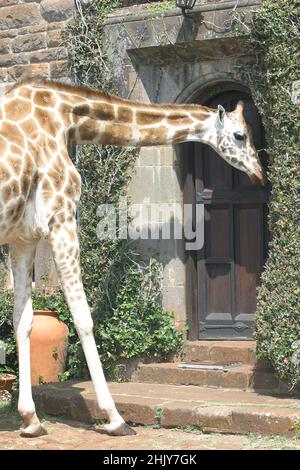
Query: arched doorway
(222, 277)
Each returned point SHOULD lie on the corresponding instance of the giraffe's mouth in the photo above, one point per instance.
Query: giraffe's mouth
(259, 178)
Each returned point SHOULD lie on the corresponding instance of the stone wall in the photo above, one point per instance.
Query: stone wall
(30, 39)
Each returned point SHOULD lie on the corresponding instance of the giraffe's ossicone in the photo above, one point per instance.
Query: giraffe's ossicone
(40, 189)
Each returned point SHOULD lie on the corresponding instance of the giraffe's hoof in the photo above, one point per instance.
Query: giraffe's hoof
(119, 430)
(33, 430)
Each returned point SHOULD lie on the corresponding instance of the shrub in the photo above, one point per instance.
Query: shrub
(274, 38)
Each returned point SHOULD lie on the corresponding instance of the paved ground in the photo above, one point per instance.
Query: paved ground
(64, 434)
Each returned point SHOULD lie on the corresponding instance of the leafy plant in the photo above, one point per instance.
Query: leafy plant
(274, 40)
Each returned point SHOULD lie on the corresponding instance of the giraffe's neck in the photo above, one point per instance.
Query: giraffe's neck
(111, 120)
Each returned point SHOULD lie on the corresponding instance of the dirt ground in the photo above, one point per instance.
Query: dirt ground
(64, 434)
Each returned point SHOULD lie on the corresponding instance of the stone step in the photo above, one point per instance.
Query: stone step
(221, 352)
(208, 409)
(243, 377)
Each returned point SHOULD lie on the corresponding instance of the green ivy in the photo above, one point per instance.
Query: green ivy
(274, 38)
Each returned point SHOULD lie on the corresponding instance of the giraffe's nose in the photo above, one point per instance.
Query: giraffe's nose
(258, 177)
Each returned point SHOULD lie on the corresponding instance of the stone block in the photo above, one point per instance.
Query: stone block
(12, 59)
(22, 15)
(21, 72)
(57, 10)
(48, 55)
(29, 42)
(54, 38)
(6, 3)
(174, 301)
(4, 46)
(59, 69)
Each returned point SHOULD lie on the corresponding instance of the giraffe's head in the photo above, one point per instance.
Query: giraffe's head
(234, 142)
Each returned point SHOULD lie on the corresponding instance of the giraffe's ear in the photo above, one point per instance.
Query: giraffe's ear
(240, 109)
(221, 114)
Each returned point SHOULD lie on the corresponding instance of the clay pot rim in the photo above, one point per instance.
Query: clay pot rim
(52, 313)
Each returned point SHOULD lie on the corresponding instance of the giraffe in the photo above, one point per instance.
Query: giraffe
(40, 189)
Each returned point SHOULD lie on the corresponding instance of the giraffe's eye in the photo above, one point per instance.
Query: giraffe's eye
(239, 136)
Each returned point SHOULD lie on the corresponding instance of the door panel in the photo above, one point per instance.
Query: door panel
(229, 265)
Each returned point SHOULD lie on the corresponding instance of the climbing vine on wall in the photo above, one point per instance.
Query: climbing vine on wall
(274, 38)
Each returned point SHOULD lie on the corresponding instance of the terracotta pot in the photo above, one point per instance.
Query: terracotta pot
(48, 347)
(6, 382)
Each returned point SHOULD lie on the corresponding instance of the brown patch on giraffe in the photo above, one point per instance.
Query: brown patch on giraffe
(89, 130)
(179, 120)
(3, 146)
(72, 235)
(104, 112)
(46, 185)
(11, 133)
(46, 120)
(65, 113)
(15, 150)
(180, 136)
(75, 180)
(4, 173)
(61, 217)
(153, 136)
(17, 109)
(52, 146)
(19, 209)
(30, 128)
(116, 134)
(15, 210)
(15, 163)
(82, 110)
(44, 98)
(57, 179)
(56, 174)
(149, 118)
(124, 114)
(11, 190)
(25, 92)
(59, 203)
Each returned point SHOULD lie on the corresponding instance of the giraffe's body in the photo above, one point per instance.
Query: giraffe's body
(40, 189)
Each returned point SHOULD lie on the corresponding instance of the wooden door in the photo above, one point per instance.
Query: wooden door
(228, 267)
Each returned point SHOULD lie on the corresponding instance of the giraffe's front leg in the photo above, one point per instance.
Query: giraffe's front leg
(22, 257)
(64, 242)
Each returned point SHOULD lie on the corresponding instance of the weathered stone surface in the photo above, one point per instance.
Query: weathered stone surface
(6, 3)
(19, 72)
(220, 352)
(209, 409)
(11, 59)
(54, 38)
(22, 15)
(47, 55)
(169, 373)
(29, 42)
(57, 10)
(4, 46)
(59, 69)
